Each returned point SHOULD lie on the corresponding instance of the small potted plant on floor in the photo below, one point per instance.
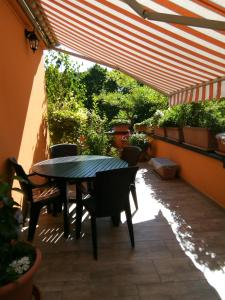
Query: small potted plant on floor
(18, 260)
(141, 140)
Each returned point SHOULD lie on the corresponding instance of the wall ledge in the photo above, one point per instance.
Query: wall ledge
(210, 154)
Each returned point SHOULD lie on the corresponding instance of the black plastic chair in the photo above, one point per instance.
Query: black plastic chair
(60, 150)
(109, 198)
(131, 155)
(36, 196)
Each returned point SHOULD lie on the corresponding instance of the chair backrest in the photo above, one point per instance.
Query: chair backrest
(25, 183)
(60, 150)
(111, 190)
(131, 155)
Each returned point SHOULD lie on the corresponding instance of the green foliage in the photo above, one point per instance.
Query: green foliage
(173, 117)
(66, 126)
(138, 139)
(209, 114)
(157, 116)
(96, 140)
(63, 82)
(93, 80)
(118, 121)
(10, 248)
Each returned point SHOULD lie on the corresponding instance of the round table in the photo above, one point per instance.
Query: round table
(77, 169)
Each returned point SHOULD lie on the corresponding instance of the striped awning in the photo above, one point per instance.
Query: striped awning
(175, 46)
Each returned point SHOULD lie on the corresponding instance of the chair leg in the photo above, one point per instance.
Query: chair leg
(34, 215)
(130, 226)
(116, 220)
(94, 237)
(65, 217)
(134, 194)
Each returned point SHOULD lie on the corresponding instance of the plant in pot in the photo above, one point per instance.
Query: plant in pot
(144, 126)
(172, 121)
(18, 259)
(141, 140)
(155, 120)
(202, 122)
(120, 124)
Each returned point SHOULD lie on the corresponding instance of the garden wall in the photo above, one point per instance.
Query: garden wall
(23, 131)
(206, 174)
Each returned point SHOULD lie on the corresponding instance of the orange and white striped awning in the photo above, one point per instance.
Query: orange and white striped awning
(175, 46)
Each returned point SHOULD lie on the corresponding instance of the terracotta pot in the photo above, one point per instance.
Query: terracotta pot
(146, 154)
(220, 143)
(22, 288)
(120, 138)
(174, 133)
(122, 127)
(140, 128)
(160, 131)
(198, 137)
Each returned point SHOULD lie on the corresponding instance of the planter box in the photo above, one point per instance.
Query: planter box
(220, 143)
(174, 133)
(160, 131)
(198, 137)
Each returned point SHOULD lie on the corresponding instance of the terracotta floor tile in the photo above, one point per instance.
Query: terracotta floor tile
(179, 252)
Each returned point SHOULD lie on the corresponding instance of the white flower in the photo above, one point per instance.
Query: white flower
(21, 265)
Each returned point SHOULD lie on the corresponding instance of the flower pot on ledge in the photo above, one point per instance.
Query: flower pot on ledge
(220, 143)
(160, 131)
(174, 133)
(198, 137)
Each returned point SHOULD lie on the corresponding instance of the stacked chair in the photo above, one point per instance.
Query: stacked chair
(131, 155)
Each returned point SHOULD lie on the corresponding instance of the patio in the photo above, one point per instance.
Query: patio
(179, 251)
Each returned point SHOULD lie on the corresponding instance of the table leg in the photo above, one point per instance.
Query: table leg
(79, 210)
(63, 189)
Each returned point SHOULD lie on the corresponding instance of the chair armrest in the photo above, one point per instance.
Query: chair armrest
(37, 184)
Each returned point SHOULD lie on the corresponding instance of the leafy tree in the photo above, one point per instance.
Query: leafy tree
(93, 79)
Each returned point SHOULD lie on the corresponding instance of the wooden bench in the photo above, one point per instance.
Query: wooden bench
(166, 168)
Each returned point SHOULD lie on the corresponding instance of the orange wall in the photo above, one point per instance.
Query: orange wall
(22, 128)
(204, 173)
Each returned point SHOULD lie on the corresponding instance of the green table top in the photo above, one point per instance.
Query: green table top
(78, 167)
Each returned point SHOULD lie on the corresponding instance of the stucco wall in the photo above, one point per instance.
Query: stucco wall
(204, 173)
(22, 96)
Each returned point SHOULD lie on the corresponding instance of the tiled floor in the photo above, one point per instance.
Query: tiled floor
(179, 253)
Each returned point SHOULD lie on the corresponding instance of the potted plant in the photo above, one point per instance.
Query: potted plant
(220, 143)
(144, 126)
(120, 124)
(202, 122)
(19, 260)
(172, 121)
(158, 129)
(141, 140)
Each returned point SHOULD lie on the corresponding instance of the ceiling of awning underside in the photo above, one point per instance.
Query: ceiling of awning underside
(170, 57)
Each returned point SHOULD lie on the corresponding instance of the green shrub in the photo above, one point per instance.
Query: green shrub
(157, 117)
(66, 126)
(172, 117)
(115, 122)
(209, 114)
